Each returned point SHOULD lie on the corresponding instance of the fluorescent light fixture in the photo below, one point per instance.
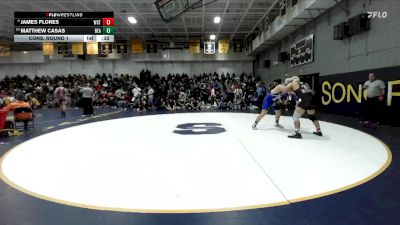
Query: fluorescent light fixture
(132, 19)
(217, 19)
(212, 37)
(25, 52)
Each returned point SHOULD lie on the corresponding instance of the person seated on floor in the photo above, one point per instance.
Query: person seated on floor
(20, 103)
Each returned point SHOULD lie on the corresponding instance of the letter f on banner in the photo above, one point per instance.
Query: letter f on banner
(390, 91)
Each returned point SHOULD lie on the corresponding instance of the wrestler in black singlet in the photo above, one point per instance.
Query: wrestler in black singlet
(306, 95)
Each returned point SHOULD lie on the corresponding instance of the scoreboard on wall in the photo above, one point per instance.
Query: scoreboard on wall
(302, 52)
(63, 27)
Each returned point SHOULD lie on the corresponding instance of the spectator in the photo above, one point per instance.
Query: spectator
(33, 101)
(174, 91)
(238, 92)
(120, 98)
(150, 95)
(261, 92)
(136, 93)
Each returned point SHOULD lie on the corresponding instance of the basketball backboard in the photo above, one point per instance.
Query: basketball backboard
(170, 9)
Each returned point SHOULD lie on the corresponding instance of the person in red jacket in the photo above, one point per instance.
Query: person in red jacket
(20, 103)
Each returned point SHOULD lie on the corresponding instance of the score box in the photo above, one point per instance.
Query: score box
(108, 30)
(108, 21)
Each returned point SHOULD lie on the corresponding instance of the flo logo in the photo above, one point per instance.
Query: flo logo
(199, 128)
(379, 15)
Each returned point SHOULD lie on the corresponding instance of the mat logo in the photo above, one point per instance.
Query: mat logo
(199, 128)
(380, 15)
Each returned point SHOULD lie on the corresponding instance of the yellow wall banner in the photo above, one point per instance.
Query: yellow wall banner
(92, 48)
(137, 46)
(223, 46)
(5, 50)
(77, 48)
(48, 48)
(194, 45)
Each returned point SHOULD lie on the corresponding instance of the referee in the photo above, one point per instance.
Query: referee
(87, 100)
(375, 90)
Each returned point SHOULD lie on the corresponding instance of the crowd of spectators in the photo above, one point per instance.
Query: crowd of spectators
(144, 92)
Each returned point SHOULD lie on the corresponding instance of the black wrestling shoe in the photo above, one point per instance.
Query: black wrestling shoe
(296, 135)
(318, 133)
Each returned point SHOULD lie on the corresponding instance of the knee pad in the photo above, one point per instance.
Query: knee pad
(312, 117)
(296, 116)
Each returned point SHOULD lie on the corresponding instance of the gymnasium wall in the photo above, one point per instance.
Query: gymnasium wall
(162, 63)
(377, 48)
(91, 67)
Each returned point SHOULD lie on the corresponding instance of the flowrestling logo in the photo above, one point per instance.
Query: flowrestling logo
(379, 15)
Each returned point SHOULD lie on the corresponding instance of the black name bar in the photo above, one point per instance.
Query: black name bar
(57, 30)
(57, 22)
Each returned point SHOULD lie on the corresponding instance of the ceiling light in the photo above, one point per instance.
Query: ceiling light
(217, 19)
(132, 19)
(212, 37)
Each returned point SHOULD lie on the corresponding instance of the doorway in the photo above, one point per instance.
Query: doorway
(312, 80)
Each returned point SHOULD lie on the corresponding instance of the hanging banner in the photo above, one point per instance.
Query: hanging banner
(92, 48)
(237, 45)
(151, 46)
(5, 50)
(137, 46)
(122, 46)
(106, 48)
(223, 46)
(62, 48)
(77, 48)
(194, 45)
(209, 47)
(48, 48)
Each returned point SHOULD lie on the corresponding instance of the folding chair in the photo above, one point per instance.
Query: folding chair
(20, 110)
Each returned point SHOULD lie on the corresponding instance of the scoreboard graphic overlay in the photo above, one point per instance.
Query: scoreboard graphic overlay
(63, 26)
(302, 52)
